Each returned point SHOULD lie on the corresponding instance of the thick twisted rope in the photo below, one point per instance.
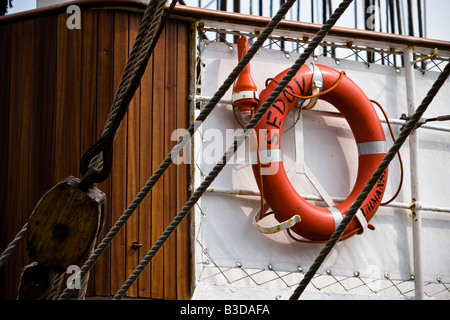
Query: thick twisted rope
(13, 244)
(181, 143)
(409, 127)
(229, 153)
(56, 286)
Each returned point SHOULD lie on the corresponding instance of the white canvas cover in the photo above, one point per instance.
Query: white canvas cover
(324, 146)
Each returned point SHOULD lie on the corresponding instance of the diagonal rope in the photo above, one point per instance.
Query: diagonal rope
(237, 142)
(181, 143)
(409, 127)
(13, 244)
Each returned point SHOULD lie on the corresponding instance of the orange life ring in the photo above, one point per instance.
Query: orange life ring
(319, 223)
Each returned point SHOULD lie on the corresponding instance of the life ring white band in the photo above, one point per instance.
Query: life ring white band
(337, 216)
(267, 156)
(372, 147)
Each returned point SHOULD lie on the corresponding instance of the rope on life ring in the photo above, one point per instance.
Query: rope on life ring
(313, 222)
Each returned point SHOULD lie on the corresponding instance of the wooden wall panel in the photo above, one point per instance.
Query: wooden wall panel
(44, 106)
(157, 222)
(133, 142)
(170, 209)
(183, 256)
(88, 94)
(119, 167)
(57, 86)
(146, 171)
(105, 76)
(5, 75)
(19, 161)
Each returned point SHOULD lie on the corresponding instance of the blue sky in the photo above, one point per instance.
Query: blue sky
(438, 26)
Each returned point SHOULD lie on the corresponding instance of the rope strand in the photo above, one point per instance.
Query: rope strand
(400, 184)
(13, 244)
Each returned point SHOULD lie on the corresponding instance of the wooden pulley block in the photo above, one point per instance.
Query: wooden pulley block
(64, 225)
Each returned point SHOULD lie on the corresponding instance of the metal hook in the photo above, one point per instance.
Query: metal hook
(94, 175)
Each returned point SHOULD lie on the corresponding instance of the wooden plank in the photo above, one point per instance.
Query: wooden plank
(105, 24)
(132, 227)
(5, 65)
(26, 139)
(66, 94)
(145, 172)
(88, 110)
(67, 97)
(170, 209)
(19, 158)
(5, 76)
(44, 73)
(74, 94)
(88, 123)
(12, 205)
(62, 155)
(74, 104)
(119, 168)
(157, 157)
(182, 112)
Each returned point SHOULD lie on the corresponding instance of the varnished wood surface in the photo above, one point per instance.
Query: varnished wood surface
(56, 88)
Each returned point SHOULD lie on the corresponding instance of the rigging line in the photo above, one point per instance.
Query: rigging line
(13, 244)
(181, 143)
(237, 142)
(410, 126)
(399, 155)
